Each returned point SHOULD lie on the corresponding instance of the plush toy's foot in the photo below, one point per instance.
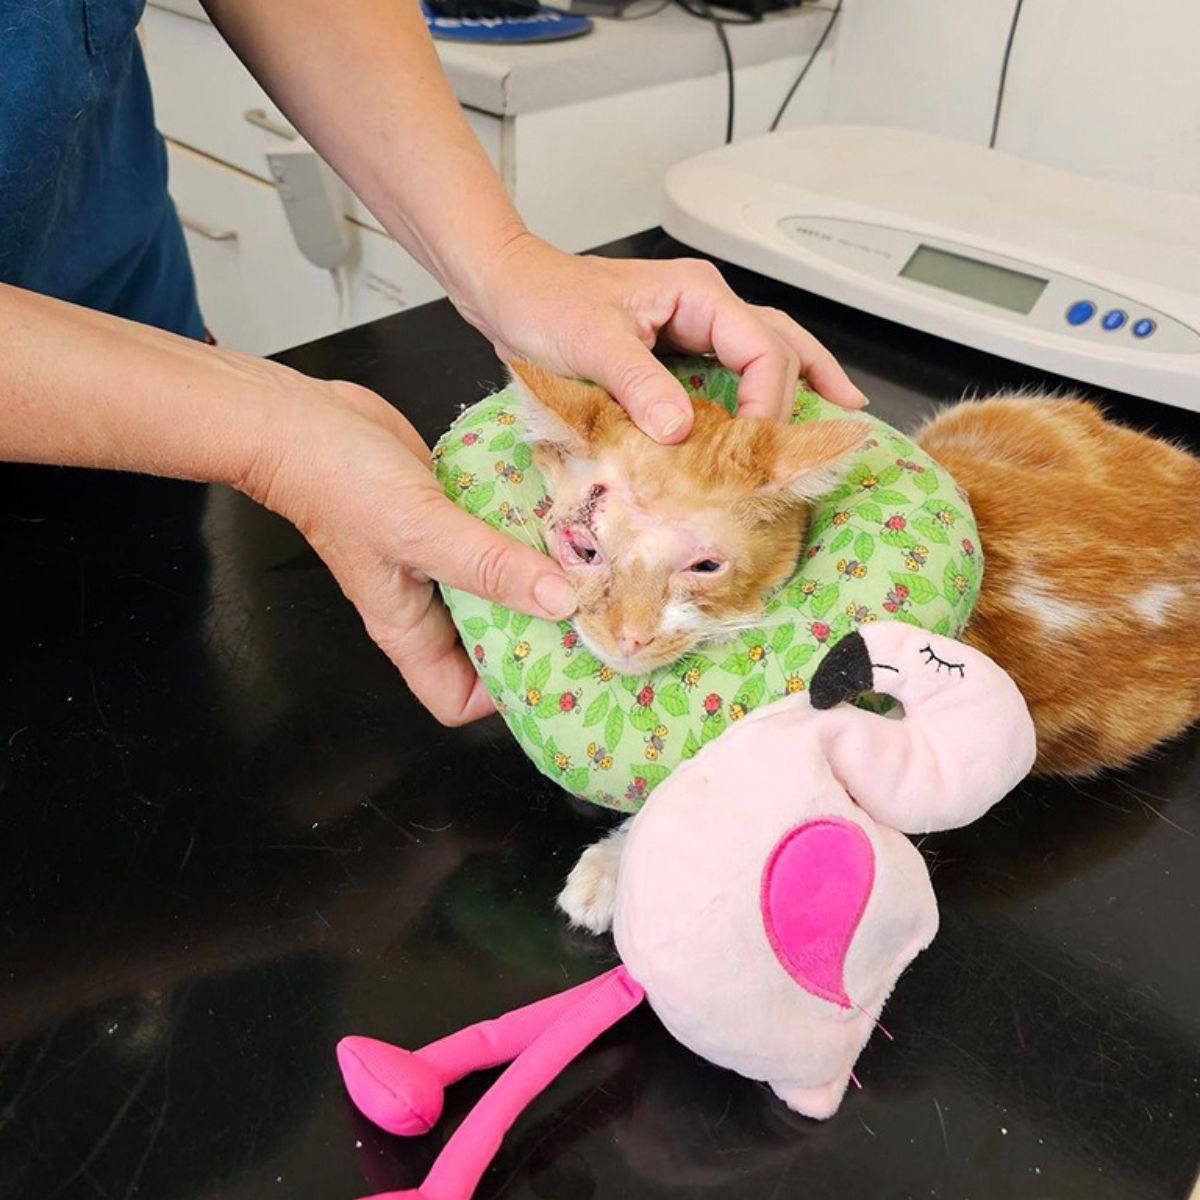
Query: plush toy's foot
(391, 1087)
(820, 1103)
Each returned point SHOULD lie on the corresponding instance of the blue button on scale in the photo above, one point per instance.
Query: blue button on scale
(1080, 312)
(1114, 319)
(1144, 328)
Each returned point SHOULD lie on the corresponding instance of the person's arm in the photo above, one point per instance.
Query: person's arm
(362, 81)
(80, 388)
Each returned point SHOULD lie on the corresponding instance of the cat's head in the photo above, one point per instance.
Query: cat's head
(671, 546)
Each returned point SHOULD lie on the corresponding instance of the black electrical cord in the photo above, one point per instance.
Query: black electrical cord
(726, 50)
(1012, 33)
(812, 58)
(705, 13)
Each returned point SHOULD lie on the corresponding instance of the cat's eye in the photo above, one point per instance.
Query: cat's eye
(705, 566)
(578, 550)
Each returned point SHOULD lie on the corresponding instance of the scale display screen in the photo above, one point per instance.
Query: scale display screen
(1001, 286)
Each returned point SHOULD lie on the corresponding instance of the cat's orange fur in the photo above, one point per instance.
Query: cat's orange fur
(1091, 586)
(1090, 532)
(735, 493)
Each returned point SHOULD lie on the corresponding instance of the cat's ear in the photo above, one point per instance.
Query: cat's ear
(803, 462)
(565, 415)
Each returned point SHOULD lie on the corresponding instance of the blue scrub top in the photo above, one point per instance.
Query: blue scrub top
(84, 210)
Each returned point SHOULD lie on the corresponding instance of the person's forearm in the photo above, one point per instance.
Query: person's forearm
(362, 82)
(79, 388)
(336, 460)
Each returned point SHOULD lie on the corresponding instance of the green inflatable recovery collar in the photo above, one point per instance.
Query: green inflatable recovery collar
(894, 540)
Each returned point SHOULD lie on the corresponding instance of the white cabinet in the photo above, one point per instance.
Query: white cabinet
(257, 291)
(206, 100)
(581, 133)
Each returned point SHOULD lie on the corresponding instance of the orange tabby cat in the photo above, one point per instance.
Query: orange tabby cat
(1091, 588)
(1090, 532)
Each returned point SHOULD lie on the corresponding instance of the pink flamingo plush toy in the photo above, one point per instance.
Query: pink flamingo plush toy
(767, 900)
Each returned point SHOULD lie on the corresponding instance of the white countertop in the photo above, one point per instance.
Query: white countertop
(617, 56)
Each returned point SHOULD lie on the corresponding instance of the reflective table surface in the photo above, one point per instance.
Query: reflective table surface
(228, 837)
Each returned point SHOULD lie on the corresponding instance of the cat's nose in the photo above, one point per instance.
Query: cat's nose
(632, 645)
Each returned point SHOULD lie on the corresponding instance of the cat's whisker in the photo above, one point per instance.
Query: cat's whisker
(745, 624)
(737, 625)
(1143, 798)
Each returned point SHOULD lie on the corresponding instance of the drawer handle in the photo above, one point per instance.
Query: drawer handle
(213, 232)
(258, 118)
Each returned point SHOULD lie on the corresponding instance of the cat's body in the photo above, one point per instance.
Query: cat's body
(1091, 539)
(1090, 532)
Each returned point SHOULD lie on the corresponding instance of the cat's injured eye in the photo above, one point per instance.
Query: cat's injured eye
(705, 566)
(578, 549)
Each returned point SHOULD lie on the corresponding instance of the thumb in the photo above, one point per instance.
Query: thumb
(642, 386)
(463, 552)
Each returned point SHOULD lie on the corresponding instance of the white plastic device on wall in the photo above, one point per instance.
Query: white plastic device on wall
(314, 202)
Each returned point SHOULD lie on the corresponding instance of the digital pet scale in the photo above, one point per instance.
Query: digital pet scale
(1092, 280)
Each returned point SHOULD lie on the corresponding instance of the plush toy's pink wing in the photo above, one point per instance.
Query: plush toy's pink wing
(814, 890)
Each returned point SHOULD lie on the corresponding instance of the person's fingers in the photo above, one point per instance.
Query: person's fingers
(649, 393)
(709, 317)
(479, 704)
(424, 648)
(765, 346)
(446, 543)
(769, 368)
(820, 369)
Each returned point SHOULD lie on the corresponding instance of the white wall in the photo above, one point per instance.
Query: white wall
(1106, 87)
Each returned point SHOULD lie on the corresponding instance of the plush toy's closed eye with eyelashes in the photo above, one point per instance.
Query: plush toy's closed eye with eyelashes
(785, 834)
(941, 663)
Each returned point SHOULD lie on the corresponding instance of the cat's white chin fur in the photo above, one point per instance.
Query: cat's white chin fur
(590, 894)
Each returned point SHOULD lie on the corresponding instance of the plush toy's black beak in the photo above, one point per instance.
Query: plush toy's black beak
(844, 674)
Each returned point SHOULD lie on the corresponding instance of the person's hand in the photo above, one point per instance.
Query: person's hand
(353, 476)
(599, 319)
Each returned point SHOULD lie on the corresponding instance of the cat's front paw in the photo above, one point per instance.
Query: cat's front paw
(590, 895)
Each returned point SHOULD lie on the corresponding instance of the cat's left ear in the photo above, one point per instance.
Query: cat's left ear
(805, 461)
(564, 415)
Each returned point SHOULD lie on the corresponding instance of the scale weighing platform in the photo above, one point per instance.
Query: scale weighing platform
(1092, 280)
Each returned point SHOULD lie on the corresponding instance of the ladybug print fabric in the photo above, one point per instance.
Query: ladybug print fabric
(895, 539)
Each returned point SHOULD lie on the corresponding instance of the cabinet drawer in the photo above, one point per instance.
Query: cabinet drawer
(206, 100)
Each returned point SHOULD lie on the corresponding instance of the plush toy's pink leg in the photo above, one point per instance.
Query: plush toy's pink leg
(468, 1153)
(500, 1040)
(402, 1090)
